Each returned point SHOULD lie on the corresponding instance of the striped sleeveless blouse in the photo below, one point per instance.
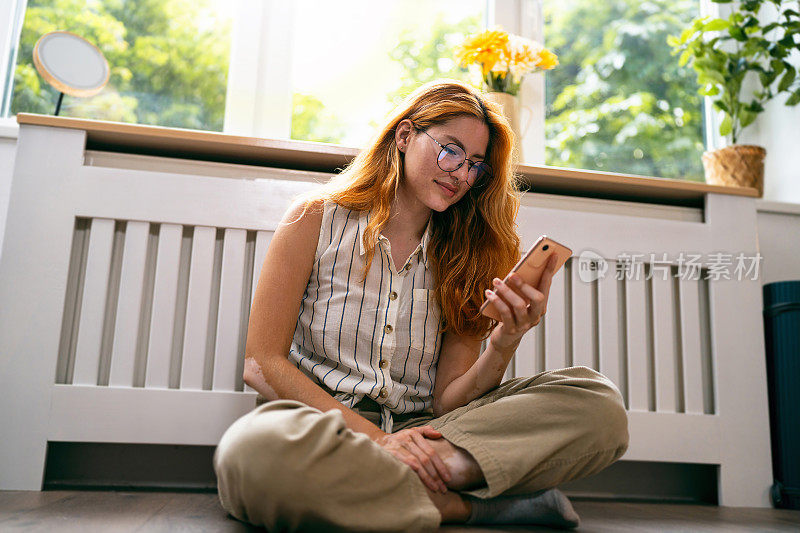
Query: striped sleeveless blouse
(380, 338)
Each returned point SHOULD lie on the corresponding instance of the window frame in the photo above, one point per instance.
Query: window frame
(13, 12)
(258, 99)
(526, 19)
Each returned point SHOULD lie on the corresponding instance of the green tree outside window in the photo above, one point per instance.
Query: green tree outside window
(168, 58)
(618, 101)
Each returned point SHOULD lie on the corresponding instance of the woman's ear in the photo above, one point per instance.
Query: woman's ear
(402, 134)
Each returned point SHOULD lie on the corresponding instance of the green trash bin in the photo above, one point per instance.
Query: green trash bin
(782, 340)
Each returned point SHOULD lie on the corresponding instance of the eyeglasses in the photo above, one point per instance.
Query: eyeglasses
(452, 156)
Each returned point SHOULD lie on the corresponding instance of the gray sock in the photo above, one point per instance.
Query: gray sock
(548, 508)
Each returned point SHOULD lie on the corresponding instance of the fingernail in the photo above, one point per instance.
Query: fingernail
(488, 292)
(496, 282)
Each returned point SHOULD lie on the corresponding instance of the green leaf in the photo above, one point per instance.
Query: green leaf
(713, 76)
(794, 99)
(767, 77)
(755, 45)
(778, 50)
(750, 5)
(716, 25)
(722, 106)
(750, 22)
(787, 79)
(685, 56)
(726, 126)
(754, 107)
(737, 33)
(708, 90)
(708, 65)
(747, 118)
(673, 41)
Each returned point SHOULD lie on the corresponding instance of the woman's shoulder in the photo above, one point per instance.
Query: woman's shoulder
(303, 219)
(319, 211)
(331, 208)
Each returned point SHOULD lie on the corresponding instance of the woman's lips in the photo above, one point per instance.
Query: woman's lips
(447, 190)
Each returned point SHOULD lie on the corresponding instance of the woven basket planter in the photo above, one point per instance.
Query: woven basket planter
(739, 165)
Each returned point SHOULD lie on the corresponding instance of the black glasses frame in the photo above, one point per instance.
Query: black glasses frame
(479, 182)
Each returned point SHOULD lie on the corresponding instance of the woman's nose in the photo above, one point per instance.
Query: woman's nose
(461, 173)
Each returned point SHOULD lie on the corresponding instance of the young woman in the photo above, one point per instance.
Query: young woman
(377, 409)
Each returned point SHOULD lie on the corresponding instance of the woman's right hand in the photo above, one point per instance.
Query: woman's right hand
(409, 446)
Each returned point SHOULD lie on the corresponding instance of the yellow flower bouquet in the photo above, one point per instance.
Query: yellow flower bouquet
(504, 58)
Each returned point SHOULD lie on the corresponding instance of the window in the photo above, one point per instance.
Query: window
(168, 59)
(330, 71)
(363, 60)
(350, 61)
(618, 100)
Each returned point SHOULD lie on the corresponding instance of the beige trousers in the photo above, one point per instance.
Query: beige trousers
(287, 466)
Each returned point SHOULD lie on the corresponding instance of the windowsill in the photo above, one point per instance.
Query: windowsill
(320, 157)
(9, 129)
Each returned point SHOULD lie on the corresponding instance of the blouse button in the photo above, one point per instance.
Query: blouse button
(388, 328)
(383, 363)
(393, 295)
(384, 393)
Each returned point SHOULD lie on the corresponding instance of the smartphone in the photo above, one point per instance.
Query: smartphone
(530, 268)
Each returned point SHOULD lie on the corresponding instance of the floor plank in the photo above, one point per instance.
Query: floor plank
(124, 511)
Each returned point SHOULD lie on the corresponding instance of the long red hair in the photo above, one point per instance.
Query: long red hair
(472, 241)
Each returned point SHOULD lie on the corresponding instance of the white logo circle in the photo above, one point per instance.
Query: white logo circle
(591, 266)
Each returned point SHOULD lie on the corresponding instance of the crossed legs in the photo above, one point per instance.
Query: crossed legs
(529, 435)
(288, 465)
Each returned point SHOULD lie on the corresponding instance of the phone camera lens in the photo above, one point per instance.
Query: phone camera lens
(545, 247)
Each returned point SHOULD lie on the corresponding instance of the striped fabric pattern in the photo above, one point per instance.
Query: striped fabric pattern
(380, 339)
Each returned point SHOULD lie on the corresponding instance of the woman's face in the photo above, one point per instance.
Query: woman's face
(423, 178)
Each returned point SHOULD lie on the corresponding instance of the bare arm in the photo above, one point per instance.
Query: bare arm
(277, 378)
(463, 374)
(273, 318)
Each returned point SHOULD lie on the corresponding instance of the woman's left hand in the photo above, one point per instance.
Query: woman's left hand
(517, 316)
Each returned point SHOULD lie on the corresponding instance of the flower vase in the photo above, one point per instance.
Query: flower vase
(512, 111)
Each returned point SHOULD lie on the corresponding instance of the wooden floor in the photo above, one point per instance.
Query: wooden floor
(122, 511)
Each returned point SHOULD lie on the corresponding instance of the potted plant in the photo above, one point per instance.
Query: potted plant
(504, 59)
(723, 52)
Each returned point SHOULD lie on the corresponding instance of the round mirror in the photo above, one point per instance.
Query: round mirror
(70, 63)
